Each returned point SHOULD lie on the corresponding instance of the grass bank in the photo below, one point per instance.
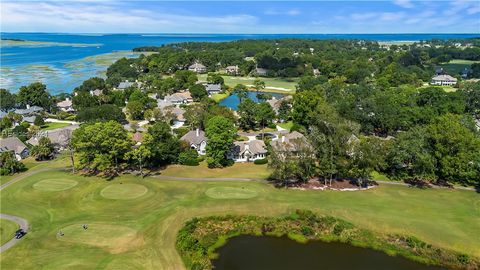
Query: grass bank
(7, 230)
(136, 228)
(199, 238)
(278, 85)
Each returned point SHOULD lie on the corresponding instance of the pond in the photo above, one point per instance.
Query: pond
(281, 253)
(233, 101)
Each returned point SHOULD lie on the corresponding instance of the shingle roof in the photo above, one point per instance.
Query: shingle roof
(192, 137)
(288, 142)
(12, 144)
(444, 78)
(196, 66)
(56, 136)
(32, 109)
(65, 103)
(255, 147)
(124, 85)
(213, 87)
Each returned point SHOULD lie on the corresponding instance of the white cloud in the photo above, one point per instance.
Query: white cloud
(404, 3)
(289, 12)
(109, 17)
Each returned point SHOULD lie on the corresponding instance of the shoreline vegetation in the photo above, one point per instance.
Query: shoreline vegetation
(4, 42)
(199, 239)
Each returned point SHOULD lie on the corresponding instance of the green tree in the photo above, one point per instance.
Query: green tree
(38, 121)
(105, 112)
(215, 78)
(241, 91)
(188, 157)
(198, 92)
(163, 146)
(138, 155)
(91, 84)
(44, 150)
(284, 110)
(247, 110)
(9, 164)
(35, 94)
(220, 132)
(264, 114)
(135, 109)
(101, 146)
(259, 85)
(7, 100)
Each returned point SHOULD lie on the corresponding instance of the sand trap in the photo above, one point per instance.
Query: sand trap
(230, 193)
(115, 238)
(55, 184)
(123, 191)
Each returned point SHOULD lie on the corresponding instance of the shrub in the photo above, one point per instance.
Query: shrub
(261, 161)
(272, 125)
(189, 158)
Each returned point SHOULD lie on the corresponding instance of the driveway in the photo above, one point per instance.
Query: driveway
(23, 225)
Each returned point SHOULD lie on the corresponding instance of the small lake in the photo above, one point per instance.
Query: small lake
(233, 101)
(281, 253)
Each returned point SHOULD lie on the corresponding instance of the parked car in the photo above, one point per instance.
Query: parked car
(20, 233)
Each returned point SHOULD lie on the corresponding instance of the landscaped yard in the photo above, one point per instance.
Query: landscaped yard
(135, 228)
(238, 170)
(287, 125)
(456, 66)
(53, 125)
(279, 85)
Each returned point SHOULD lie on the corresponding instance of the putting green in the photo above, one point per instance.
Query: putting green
(55, 184)
(123, 191)
(115, 238)
(230, 193)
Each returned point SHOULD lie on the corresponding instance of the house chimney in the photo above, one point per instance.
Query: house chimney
(28, 106)
(247, 146)
(283, 138)
(91, 92)
(198, 132)
(67, 99)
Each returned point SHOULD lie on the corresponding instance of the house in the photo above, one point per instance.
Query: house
(66, 105)
(275, 103)
(247, 151)
(290, 142)
(96, 92)
(261, 71)
(443, 80)
(178, 98)
(14, 145)
(179, 120)
(198, 68)
(29, 111)
(137, 138)
(213, 88)
(60, 137)
(197, 140)
(3, 114)
(232, 70)
(126, 84)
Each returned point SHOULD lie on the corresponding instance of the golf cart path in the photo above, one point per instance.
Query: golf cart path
(24, 175)
(167, 177)
(22, 223)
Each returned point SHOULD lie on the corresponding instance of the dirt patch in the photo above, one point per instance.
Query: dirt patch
(338, 184)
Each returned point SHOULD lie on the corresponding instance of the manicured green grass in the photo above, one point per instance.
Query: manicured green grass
(141, 233)
(237, 170)
(30, 163)
(279, 85)
(230, 193)
(120, 191)
(55, 184)
(220, 97)
(456, 66)
(7, 230)
(287, 125)
(53, 125)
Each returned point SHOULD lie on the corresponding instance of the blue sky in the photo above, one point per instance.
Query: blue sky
(94, 16)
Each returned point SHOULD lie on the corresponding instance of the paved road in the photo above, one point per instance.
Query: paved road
(23, 225)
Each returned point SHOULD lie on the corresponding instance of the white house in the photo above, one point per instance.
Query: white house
(261, 71)
(213, 89)
(247, 151)
(178, 98)
(197, 140)
(232, 70)
(198, 68)
(443, 80)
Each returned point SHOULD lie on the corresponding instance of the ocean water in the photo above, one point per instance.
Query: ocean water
(64, 61)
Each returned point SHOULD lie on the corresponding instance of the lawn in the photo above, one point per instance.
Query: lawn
(30, 163)
(135, 228)
(278, 85)
(53, 125)
(287, 125)
(219, 97)
(7, 230)
(456, 66)
(238, 170)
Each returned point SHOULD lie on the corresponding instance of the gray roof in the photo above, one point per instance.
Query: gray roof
(213, 87)
(29, 119)
(12, 144)
(288, 142)
(3, 114)
(255, 147)
(197, 66)
(444, 78)
(126, 84)
(261, 70)
(57, 136)
(32, 109)
(192, 137)
(65, 103)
